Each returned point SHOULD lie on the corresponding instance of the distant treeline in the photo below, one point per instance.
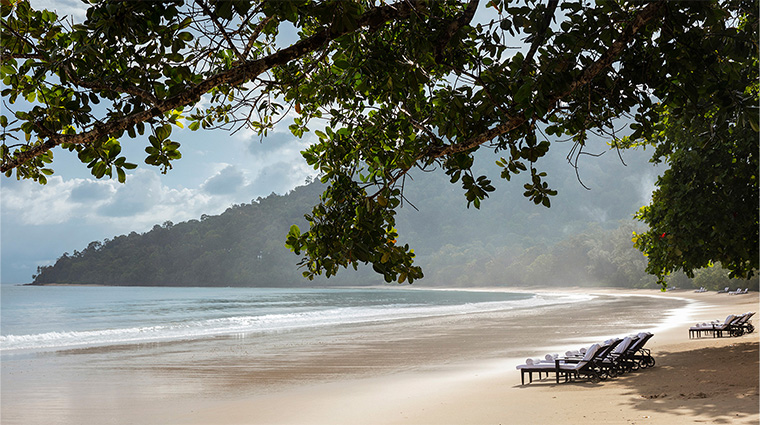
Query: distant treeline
(584, 239)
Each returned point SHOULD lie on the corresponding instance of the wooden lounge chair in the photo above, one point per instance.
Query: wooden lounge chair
(743, 324)
(716, 329)
(560, 365)
(616, 359)
(592, 366)
(534, 366)
(641, 356)
(748, 328)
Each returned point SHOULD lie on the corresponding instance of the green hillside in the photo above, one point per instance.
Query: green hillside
(583, 239)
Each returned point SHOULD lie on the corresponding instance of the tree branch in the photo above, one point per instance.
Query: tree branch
(255, 36)
(455, 25)
(641, 18)
(540, 36)
(220, 28)
(233, 77)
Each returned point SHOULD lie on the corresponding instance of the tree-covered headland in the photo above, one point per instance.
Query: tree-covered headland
(390, 87)
(583, 240)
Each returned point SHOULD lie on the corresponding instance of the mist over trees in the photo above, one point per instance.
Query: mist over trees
(584, 241)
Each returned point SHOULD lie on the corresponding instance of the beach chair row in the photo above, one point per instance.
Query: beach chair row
(728, 291)
(595, 363)
(734, 325)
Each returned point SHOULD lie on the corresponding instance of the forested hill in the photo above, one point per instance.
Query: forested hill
(584, 238)
(241, 247)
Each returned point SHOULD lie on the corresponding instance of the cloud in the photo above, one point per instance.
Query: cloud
(281, 177)
(277, 142)
(35, 204)
(73, 8)
(90, 191)
(227, 181)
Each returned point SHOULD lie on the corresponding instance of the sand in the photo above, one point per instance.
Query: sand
(707, 380)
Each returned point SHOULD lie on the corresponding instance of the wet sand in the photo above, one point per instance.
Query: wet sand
(446, 370)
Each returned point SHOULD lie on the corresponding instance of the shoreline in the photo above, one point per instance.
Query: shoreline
(456, 369)
(705, 380)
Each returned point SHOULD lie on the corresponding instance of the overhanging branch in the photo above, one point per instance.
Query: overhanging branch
(246, 71)
(513, 121)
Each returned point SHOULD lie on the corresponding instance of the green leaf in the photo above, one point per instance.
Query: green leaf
(342, 64)
(523, 94)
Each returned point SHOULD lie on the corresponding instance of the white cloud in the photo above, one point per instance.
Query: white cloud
(226, 181)
(36, 204)
(281, 177)
(135, 205)
(143, 191)
(75, 9)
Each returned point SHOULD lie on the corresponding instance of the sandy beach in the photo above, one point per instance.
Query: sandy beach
(449, 369)
(707, 380)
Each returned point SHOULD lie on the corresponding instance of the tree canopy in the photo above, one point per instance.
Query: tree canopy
(388, 87)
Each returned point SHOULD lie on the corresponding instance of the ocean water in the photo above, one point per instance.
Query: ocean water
(35, 319)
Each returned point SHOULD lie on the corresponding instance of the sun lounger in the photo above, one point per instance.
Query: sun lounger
(748, 328)
(547, 365)
(642, 356)
(617, 357)
(598, 362)
(737, 292)
(585, 367)
(716, 329)
(595, 366)
(532, 366)
(743, 324)
(701, 289)
(724, 290)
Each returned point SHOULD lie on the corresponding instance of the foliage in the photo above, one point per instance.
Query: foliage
(705, 208)
(386, 87)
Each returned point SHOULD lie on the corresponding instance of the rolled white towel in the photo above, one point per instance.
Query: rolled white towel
(549, 358)
(529, 362)
(570, 353)
(582, 350)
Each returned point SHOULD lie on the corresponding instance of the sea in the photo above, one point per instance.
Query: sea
(52, 318)
(89, 354)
